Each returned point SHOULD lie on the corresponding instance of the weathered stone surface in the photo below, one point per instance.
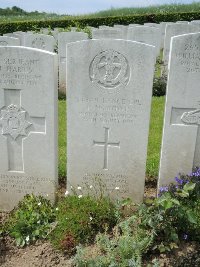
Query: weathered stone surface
(107, 33)
(9, 41)
(123, 28)
(181, 136)
(40, 41)
(147, 35)
(63, 39)
(28, 124)
(174, 30)
(108, 114)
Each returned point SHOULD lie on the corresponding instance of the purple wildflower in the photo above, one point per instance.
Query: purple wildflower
(185, 236)
(179, 181)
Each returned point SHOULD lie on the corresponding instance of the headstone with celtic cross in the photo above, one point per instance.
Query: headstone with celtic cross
(108, 115)
(65, 38)
(181, 136)
(28, 124)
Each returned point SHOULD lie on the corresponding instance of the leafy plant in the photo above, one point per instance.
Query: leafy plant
(160, 225)
(79, 219)
(33, 219)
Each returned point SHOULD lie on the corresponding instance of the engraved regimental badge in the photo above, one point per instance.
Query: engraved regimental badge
(191, 117)
(3, 43)
(38, 43)
(14, 122)
(110, 69)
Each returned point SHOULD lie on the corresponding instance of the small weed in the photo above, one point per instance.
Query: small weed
(80, 219)
(31, 220)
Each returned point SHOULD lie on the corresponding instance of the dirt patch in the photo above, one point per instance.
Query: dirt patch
(41, 254)
(187, 255)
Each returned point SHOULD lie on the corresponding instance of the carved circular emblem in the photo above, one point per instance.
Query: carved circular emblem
(3, 43)
(14, 122)
(38, 43)
(110, 69)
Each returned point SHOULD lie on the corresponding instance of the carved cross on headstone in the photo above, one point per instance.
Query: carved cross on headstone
(189, 117)
(16, 125)
(106, 144)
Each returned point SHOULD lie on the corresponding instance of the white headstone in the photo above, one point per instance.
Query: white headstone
(21, 35)
(108, 114)
(28, 124)
(181, 136)
(195, 22)
(182, 21)
(147, 35)
(163, 27)
(107, 33)
(40, 41)
(9, 41)
(123, 28)
(174, 30)
(63, 39)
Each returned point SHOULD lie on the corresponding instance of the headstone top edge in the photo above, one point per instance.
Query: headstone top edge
(28, 49)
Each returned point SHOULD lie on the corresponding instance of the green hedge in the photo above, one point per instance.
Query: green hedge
(95, 22)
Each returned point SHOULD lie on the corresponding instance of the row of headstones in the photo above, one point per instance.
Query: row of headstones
(108, 112)
(150, 33)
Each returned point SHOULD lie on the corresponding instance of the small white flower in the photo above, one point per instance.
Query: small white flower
(80, 196)
(116, 188)
(66, 193)
(71, 187)
(79, 187)
(47, 195)
(39, 204)
(56, 208)
(91, 186)
(91, 218)
(27, 238)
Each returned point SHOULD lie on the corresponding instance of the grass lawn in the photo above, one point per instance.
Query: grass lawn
(154, 145)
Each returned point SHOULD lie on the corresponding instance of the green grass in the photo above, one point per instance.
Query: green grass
(170, 8)
(154, 145)
(62, 140)
(155, 136)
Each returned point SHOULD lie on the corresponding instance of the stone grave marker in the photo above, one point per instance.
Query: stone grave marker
(195, 22)
(40, 41)
(123, 28)
(108, 114)
(163, 27)
(182, 21)
(147, 35)
(63, 39)
(181, 136)
(9, 41)
(107, 33)
(28, 124)
(174, 30)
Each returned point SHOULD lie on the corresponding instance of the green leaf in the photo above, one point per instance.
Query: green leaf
(183, 194)
(189, 187)
(191, 216)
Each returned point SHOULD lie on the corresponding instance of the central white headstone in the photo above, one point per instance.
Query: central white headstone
(108, 114)
(28, 124)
